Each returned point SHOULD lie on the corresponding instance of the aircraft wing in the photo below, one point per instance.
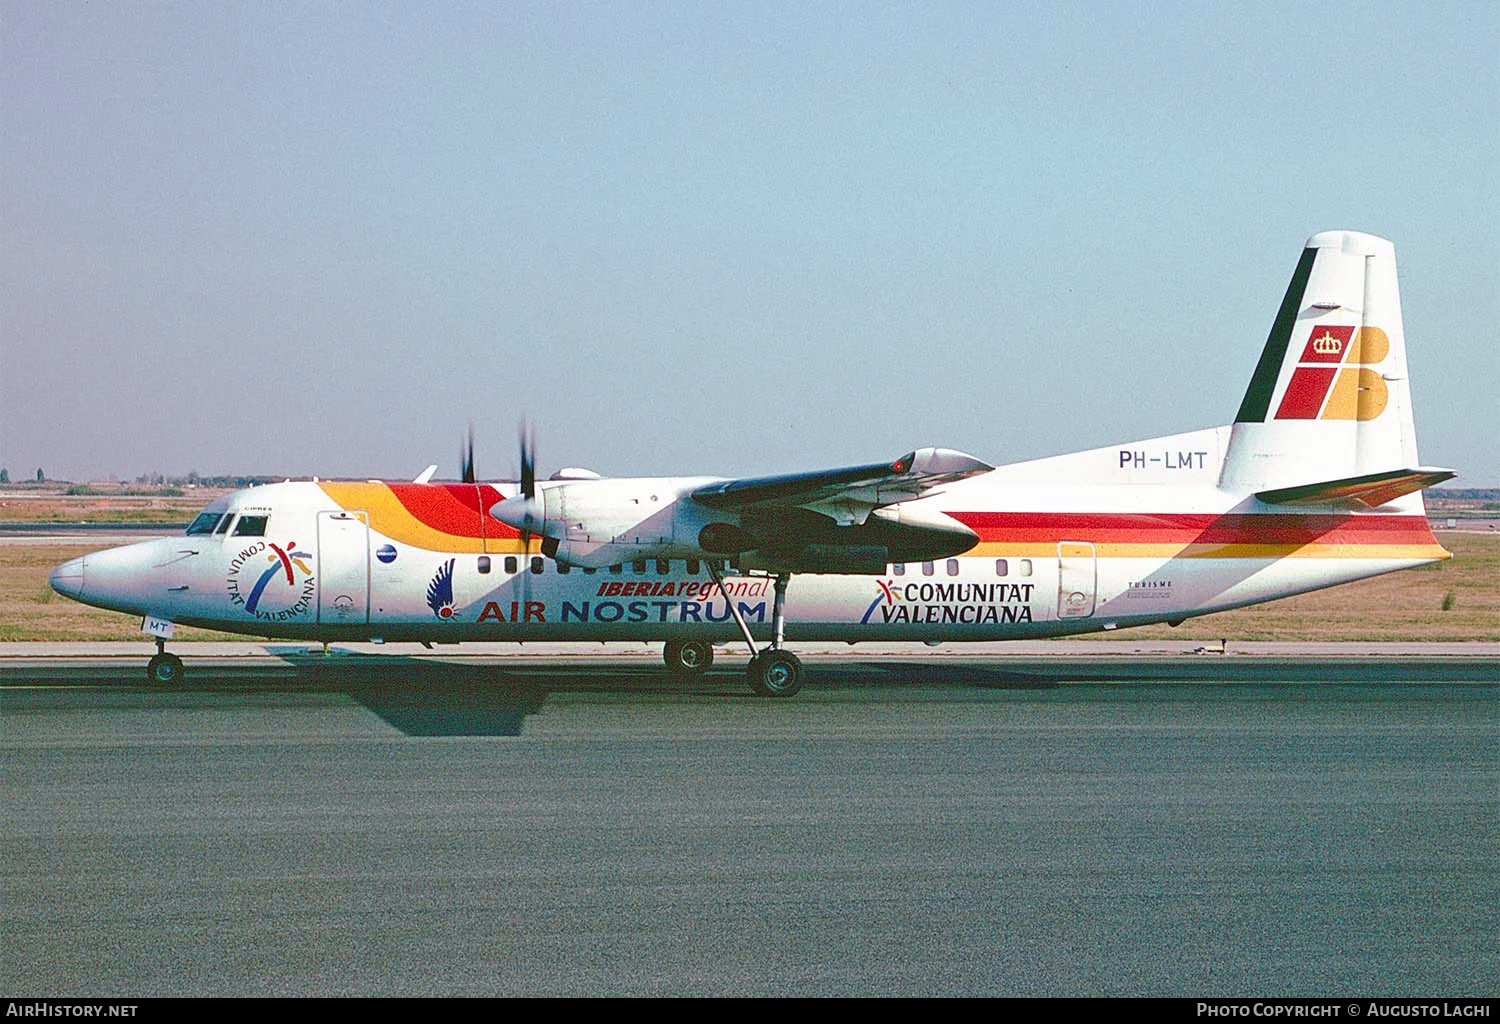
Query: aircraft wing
(845, 495)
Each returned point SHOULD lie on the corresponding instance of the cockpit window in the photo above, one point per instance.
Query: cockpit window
(251, 526)
(204, 524)
(224, 526)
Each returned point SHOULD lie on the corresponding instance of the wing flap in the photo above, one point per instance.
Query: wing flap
(1371, 490)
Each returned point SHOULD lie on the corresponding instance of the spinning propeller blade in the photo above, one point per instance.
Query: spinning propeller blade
(466, 457)
(526, 438)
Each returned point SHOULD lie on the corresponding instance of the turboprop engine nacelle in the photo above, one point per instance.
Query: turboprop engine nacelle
(598, 523)
(892, 533)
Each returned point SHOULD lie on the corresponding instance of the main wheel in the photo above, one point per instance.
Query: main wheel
(689, 658)
(775, 673)
(164, 670)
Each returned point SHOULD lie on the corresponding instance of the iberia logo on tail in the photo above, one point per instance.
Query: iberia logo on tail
(1333, 379)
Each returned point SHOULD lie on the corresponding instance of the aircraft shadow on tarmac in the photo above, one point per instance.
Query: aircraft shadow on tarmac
(426, 697)
(432, 698)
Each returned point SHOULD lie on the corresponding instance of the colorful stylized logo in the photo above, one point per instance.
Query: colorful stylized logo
(440, 591)
(277, 593)
(887, 594)
(282, 561)
(1333, 379)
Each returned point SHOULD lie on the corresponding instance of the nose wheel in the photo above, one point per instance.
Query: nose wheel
(164, 669)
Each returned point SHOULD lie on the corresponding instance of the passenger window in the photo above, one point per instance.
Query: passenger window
(1002, 567)
(927, 569)
(663, 566)
(899, 569)
(952, 567)
(1025, 567)
(638, 566)
(615, 570)
(204, 524)
(562, 568)
(692, 567)
(589, 570)
(484, 563)
(251, 526)
(510, 563)
(538, 563)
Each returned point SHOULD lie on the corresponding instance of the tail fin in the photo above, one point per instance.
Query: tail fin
(1330, 400)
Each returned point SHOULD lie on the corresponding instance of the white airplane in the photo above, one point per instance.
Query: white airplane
(1315, 483)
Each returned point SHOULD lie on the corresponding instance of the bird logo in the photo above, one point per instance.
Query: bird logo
(440, 591)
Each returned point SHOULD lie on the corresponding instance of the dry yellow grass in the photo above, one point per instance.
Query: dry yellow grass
(1402, 606)
(53, 506)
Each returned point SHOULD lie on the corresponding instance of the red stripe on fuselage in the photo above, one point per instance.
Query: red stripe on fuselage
(1187, 528)
(461, 510)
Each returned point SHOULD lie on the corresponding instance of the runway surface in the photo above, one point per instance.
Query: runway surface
(957, 825)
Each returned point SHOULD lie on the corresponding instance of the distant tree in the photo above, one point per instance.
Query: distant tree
(40, 476)
(4, 476)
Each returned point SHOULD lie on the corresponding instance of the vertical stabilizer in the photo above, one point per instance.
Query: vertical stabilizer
(1330, 397)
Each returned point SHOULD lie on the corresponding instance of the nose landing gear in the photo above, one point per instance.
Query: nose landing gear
(164, 669)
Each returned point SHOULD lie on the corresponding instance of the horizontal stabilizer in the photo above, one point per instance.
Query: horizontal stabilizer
(1371, 490)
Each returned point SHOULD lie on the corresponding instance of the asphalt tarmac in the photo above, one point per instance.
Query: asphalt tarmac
(905, 826)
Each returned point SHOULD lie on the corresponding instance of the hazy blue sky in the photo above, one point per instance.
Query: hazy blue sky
(304, 238)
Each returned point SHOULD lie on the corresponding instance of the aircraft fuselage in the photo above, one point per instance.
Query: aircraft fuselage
(424, 562)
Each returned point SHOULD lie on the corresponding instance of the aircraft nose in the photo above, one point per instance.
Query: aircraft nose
(67, 579)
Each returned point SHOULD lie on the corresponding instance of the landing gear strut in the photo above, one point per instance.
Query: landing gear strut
(688, 658)
(774, 672)
(164, 669)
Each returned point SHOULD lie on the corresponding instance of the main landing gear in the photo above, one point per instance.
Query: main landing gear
(164, 669)
(688, 659)
(773, 672)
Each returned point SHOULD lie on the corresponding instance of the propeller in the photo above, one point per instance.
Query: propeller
(525, 511)
(466, 456)
(526, 437)
(531, 508)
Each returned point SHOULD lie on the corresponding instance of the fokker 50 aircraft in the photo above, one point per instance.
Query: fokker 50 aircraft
(1315, 483)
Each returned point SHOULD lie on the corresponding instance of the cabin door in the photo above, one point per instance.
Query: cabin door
(1076, 575)
(343, 568)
